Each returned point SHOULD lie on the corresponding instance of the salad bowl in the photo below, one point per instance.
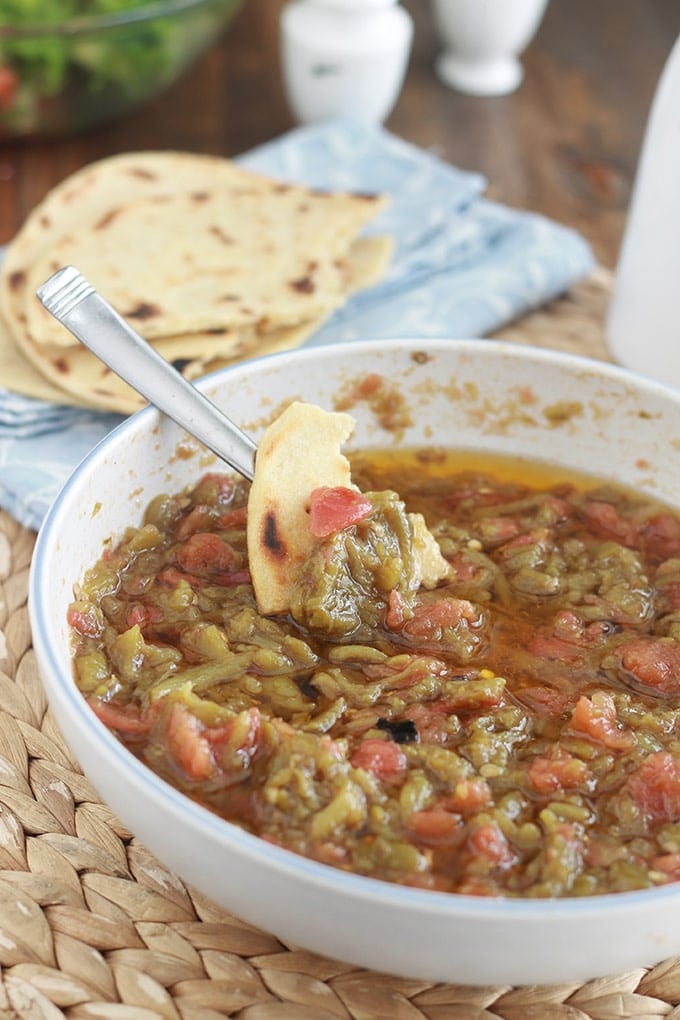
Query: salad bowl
(62, 72)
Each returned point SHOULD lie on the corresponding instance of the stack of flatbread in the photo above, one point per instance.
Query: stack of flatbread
(211, 263)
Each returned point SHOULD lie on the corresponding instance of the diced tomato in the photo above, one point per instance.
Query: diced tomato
(9, 83)
(332, 509)
(669, 864)
(396, 610)
(488, 841)
(205, 554)
(430, 618)
(661, 536)
(537, 536)
(568, 626)
(202, 751)
(84, 621)
(552, 773)
(653, 662)
(498, 530)
(655, 788)
(128, 719)
(170, 577)
(142, 615)
(436, 826)
(234, 518)
(469, 796)
(199, 518)
(431, 721)
(568, 637)
(560, 510)
(463, 568)
(605, 521)
(187, 743)
(383, 758)
(596, 717)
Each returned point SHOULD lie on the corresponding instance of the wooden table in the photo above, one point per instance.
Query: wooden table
(565, 144)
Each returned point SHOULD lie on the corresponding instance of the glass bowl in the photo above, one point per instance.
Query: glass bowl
(68, 73)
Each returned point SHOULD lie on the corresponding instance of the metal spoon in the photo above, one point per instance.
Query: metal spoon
(75, 303)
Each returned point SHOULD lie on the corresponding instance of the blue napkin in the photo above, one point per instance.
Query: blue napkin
(463, 266)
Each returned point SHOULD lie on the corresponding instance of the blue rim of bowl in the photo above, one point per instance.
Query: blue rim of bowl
(359, 887)
(148, 10)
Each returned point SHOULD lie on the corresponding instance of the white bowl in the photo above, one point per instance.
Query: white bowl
(473, 394)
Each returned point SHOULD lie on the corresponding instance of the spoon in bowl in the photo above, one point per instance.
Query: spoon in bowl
(75, 303)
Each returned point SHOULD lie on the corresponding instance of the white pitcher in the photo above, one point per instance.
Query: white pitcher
(643, 321)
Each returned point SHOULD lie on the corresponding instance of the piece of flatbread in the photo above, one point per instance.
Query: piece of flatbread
(19, 375)
(300, 452)
(212, 263)
(73, 375)
(236, 250)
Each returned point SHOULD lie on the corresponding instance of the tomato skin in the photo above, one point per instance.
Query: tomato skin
(596, 717)
(668, 863)
(655, 788)
(653, 662)
(203, 751)
(332, 509)
(383, 758)
(469, 796)
(187, 743)
(435, 826)
(396, 610)
(143, 616)
(198, 519)
(429, 619)
(234, 518)
(661, 536)
(549, 774)
(488, 841)
(128, 719)
(85, 621)
(605, 521)
(204, 553)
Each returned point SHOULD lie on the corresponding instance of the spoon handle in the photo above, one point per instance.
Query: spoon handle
(75, 303)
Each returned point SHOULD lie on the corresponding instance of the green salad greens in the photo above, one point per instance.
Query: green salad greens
(65, 64)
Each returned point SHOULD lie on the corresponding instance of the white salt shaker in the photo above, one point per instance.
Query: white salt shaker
(344, 57)
(643, 320)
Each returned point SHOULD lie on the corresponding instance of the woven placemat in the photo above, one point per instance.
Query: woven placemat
(93, 926)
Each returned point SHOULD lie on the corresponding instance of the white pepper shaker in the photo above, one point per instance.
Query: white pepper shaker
(344, 57)
(643, 321)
